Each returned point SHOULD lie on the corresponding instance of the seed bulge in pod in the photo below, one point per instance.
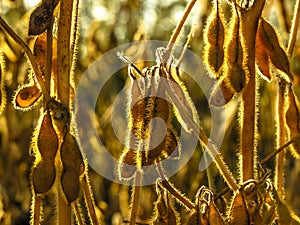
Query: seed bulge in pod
(26, 96)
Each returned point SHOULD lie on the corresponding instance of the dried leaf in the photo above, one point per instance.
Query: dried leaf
(39, 51)
(183, 106)
(277, 54)
(26, 96)
(262, 58)
(164, 210)
(221, 94)
(40, 19)
(293, 123)
(214, 36)
(73, 167)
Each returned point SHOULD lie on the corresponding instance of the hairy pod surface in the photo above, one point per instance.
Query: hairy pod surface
(214, 36)
(73, 167)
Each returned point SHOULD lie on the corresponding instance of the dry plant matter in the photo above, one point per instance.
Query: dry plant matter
(241, 49)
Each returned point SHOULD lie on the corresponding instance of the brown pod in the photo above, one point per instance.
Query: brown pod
(47, 140)
(214, 36)
(233, 70)
(73, 167)
(26, 96)
(172, 146)
(2, 90)
(277, 54)
(43, 176)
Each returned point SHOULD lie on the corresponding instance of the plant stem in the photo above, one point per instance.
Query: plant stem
(64, 209)
(294, 29)
(36, 219)
(89, 200)
(279, 167)
(64, 51)
(178, 29)
(173, 191)
(249, 19)
(24, 46)
(78, 213)
(135, 197)
(49, 52)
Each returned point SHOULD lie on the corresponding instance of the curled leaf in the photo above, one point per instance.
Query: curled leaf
(293, 123)
(277, 54)
(26, 96)
(221, 94)
(262, 58)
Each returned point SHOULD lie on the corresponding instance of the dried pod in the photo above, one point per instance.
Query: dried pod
(40, 19)
(293, 123)
(60, 117)
(277, 54)
(214, 36)
(73, 167)
(127, 165)
(221, 94)
(233, 69)
(47, 140)
(206, 211)
(43, 176)
(164, 210)
(26, 96)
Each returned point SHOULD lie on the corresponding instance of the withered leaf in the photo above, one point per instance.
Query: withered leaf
(39, 51)
(26, 96)
(73, 167)
(40, 19)
(293, 122)
(164, 210)
(277, 54)
(262, 58)
(221, 94)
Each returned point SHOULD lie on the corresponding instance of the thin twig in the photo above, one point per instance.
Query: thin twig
(89, 200)
(178, 29)
(173, 191)
(272, 154)
(24, 46)
(135, 197)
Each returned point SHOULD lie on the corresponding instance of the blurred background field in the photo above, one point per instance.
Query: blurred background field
(105, 25)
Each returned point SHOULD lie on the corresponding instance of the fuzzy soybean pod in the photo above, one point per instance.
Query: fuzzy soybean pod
(214, 35)
(233, 69)
(27, 96)
(44, 173)
(73, 167)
